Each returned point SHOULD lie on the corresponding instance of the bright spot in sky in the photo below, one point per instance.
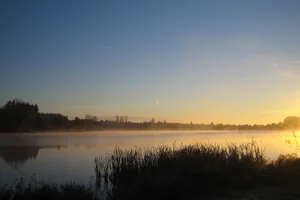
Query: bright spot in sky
(157, 102)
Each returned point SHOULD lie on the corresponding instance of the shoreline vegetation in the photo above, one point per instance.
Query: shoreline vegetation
(117, 132)
(17, 116)
(195, 171)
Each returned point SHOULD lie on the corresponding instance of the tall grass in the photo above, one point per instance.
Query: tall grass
(177, 172)
(172, 172)
(37, 190)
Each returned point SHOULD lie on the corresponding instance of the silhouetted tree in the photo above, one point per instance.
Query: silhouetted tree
(17, 115)
(39, 123)
(91, 117)
(291, 122)
(59, 121)
(88, 116)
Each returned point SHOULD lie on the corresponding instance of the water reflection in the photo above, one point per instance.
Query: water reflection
(61, 158)
(17, 150)
(16, 156)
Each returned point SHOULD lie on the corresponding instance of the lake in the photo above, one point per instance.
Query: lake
(61, 157)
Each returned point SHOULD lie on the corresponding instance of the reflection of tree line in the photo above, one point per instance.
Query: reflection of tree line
(16, 156)
(19, 116)
(16, 151)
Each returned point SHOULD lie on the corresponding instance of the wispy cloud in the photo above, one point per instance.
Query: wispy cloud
(274, 65)
(284, 73)
(272, 112)
(285, 68)
(244, 53)
(295, 62)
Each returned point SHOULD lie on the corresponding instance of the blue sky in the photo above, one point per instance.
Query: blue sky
(200, 61)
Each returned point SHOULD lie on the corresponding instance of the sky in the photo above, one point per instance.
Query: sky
(180, 61)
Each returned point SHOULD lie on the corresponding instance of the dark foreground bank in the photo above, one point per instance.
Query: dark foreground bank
(187, 172)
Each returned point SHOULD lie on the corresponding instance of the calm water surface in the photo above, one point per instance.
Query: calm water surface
(62, 157)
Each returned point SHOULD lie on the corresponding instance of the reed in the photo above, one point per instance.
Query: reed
(172, 172)
(47, 191)
(197, 169)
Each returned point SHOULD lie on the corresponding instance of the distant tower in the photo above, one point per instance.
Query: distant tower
(126, 119)
(122, 119)
(117, 118)
(153, 120)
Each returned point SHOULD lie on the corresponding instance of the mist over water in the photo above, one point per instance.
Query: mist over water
(66, 156)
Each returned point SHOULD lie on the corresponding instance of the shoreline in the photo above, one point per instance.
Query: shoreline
(111, 132)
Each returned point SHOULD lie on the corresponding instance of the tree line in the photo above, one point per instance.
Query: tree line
(20, 116)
